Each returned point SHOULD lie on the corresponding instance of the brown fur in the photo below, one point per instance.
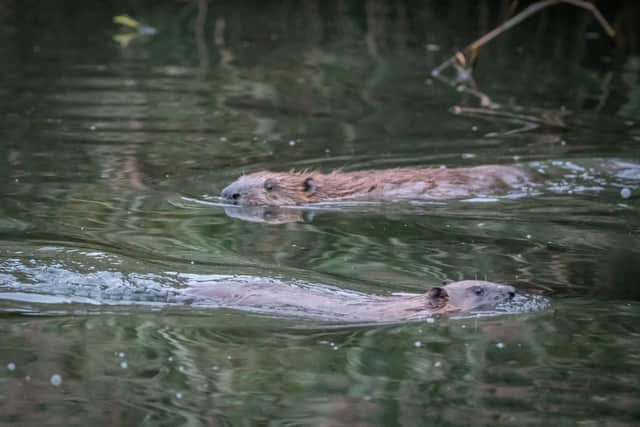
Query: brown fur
(330, 304)
(304, 187)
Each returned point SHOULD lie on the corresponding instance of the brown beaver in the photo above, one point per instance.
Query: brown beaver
(339, 305)
(303, 187)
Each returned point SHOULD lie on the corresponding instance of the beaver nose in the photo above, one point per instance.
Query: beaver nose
(231, 195)
(511, 294)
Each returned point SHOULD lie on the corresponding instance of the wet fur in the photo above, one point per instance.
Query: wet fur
(306, 187)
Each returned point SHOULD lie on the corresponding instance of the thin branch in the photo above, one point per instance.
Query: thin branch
(534, 8)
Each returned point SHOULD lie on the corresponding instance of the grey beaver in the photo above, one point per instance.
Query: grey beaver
(331, 304)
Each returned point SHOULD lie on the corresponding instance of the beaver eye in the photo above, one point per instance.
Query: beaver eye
(269, 184)
(478, 291)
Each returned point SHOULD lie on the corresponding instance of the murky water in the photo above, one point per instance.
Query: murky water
(111, 159)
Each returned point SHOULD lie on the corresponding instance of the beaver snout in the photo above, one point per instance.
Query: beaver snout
(511, 294)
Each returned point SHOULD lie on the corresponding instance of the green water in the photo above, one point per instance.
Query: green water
(111, 158)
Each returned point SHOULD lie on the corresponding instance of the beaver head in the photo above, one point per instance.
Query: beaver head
(452, 298)
(470, 294)
(271, 188)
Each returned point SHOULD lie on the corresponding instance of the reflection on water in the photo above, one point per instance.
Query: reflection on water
(225, 369)
(111, 160)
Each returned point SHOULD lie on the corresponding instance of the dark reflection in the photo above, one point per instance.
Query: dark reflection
(270, 214)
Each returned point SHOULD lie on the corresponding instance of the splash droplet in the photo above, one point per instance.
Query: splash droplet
(625, 193)
(56, 379)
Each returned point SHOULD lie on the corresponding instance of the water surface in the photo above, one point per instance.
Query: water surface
(111, 158)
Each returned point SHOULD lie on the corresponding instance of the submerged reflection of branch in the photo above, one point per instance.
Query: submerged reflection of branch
(534, 119)
(462, 62)
(201, 44)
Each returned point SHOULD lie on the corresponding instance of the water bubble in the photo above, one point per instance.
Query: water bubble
(11, 366)
(500, 345)
(625, 193)
(430, 320)
(292, 143)
(437, 364)
(56, 379)
(121, 355)
(178, 395)
(417, 344)
(124, 364)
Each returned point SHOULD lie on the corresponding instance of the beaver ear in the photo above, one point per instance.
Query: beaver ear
(310, 185)
(438, 297)
(269, 184)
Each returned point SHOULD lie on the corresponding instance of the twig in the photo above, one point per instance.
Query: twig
(459, 57)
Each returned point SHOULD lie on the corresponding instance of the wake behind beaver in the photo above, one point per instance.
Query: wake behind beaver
(41, 285)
